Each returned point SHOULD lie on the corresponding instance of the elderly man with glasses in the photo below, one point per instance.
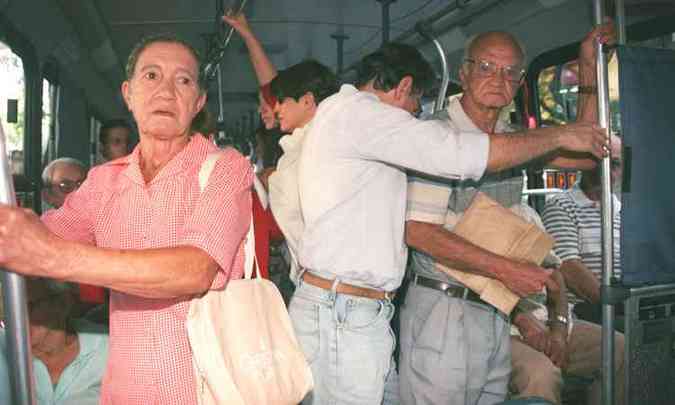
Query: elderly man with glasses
(60, 178)
(455, 348)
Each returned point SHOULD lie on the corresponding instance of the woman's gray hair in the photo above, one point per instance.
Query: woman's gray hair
(165, 38)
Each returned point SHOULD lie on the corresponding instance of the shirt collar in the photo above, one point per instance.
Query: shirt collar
(461, 119)
(90, 336)
(580, 198)
(290, 143)
(181, 162)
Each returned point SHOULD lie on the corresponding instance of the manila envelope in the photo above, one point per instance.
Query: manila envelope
(488, 224)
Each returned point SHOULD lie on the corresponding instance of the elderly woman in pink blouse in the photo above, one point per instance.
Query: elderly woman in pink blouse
(142, 227)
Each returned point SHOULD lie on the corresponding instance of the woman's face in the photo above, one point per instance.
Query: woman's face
(164, 94)
(267, 114)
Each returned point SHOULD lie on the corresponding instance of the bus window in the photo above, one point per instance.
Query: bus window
(49, 111)
(12, 87)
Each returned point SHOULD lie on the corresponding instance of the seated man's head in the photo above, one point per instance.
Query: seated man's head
(299, 90)
(114, 139)
(398, 74)
(492, 70)
(591, 180)
(60, 178)
(49, 306)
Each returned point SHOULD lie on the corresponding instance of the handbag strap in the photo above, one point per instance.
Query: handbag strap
(250, 260)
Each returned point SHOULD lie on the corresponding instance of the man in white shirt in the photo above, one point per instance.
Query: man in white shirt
(352, 188)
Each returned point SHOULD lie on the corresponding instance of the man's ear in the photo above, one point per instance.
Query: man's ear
(462, 77)
(404, 88)
(126, 94)
(308, 99)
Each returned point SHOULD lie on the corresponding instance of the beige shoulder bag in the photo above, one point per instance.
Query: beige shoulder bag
(243, 345)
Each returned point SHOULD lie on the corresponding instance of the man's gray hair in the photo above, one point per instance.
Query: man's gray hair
(49, 169)
(469, 44)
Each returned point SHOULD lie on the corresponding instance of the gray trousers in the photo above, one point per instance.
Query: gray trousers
(453, 351)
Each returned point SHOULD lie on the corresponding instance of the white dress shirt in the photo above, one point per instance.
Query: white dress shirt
(283, 194)
(352, 184)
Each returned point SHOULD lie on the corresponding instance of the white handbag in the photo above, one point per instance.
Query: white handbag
(243, 344)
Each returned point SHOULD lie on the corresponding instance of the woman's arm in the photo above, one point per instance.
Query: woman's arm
(263, 67)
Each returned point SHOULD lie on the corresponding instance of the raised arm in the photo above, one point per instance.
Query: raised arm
(263, 67)
(587, 103)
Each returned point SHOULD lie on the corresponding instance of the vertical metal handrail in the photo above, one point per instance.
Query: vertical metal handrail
(14, 301)
(607, 222)
(620, 21)
(425, 31)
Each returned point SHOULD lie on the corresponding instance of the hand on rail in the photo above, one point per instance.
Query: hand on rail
(605, 34)
(26, 245)
(584, 137)
(240, 24)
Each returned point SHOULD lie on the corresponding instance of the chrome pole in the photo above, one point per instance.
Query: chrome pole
(440, 100)
(213, 61)
(425, 31)
(19, 357)
(620, 21)
(607, 222)
(221, 105)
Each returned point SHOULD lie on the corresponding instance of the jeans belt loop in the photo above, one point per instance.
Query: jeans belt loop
(333, 288)
(301, 272)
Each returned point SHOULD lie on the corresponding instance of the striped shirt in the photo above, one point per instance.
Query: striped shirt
(575, 222)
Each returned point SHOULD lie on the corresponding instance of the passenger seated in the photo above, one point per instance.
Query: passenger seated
(69, 355)
(574, 219)
(59, 178)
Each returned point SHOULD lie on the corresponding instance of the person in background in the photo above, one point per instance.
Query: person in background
(59, 178)
(262, 66)
(69, 355)
(114, 139)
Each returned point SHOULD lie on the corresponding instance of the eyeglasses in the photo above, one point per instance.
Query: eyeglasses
(68, 186)
(485, 68)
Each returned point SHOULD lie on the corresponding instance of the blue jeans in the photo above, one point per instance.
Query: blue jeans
(348, 343)
(453, 351)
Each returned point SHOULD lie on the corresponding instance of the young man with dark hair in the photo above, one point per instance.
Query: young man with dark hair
(352, 190)
(115, 139)
(299, 90)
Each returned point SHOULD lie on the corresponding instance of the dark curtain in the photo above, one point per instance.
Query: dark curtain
(647, 106)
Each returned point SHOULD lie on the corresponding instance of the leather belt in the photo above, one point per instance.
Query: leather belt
(451, 290)
(348, 289)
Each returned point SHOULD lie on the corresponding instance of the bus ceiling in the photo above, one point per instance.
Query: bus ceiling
(90, 39)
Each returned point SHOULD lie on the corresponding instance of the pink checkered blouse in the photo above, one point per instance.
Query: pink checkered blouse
(150, 358)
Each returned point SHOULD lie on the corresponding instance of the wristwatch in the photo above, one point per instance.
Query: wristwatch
(561, 319)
